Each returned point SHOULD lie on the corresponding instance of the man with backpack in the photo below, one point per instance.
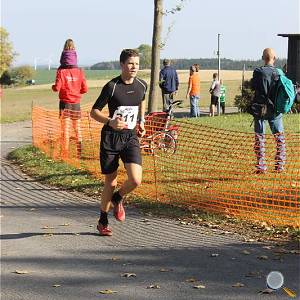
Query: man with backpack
(265, 84)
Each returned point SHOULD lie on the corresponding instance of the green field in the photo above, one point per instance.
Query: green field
(16, 103)
(48, 76)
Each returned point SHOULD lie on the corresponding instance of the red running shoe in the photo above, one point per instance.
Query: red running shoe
(104, 230)
(119, 211)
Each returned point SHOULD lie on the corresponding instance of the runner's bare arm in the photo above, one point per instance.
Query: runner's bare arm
(142, 109)
(116, 124)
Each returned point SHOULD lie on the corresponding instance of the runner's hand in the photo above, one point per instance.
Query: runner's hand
(118, 123)
(141, 130)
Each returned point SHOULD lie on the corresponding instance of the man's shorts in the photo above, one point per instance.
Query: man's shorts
(69, 110)
(214, 100)
(118, 144)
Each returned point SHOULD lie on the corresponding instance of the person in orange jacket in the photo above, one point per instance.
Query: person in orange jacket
(70, 83)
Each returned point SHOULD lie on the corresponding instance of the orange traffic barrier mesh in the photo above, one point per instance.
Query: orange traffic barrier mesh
(191, 165)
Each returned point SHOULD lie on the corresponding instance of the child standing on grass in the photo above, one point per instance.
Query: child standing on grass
(222, 96)
(71, 84)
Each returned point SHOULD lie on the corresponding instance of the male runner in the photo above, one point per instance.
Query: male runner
(125, 97)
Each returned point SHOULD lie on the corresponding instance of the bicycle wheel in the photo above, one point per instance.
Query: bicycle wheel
(163, 143)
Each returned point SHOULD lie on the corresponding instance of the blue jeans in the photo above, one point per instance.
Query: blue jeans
(276, 126)
(194, 103)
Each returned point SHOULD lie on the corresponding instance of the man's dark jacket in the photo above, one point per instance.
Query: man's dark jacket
(168, 79)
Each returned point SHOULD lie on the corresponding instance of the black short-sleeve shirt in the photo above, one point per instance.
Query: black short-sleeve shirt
(116, 93)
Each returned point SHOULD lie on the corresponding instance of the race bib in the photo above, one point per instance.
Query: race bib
(128, 113)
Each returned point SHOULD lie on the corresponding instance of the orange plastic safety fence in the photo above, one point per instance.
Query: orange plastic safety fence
(191, 165)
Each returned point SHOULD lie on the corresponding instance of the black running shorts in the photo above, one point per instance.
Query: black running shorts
(118, 144)
(214, 100)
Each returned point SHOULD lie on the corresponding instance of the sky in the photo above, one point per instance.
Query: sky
(102, 28)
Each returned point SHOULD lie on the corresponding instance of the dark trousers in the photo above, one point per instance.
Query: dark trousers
(222, 104)
(167, 100)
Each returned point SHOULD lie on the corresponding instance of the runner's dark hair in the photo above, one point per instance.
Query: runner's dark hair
(126, 53)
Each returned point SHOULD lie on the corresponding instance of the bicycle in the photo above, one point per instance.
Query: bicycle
(160, 137)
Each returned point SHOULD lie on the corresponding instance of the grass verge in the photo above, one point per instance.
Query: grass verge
(47, 171)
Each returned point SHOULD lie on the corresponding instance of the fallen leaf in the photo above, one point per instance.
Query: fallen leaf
(246, 252)
(268, 247)
(238, 284)
(48, 234)
(47, 227)
(32, 209)
(127, 275)
(254, 274)
(214, 254)
(76, 233)
(165, 270)
(290, 292)
(263, 257)
(65, 224)
(200, 286)
(250, 240)
(153, 286)
(114, 258)
(266, 291)
(56, 285)
(191, 280)
(21, 272)
(107, 292)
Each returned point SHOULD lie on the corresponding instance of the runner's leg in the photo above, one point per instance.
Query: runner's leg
(134, 173)
(109, 187)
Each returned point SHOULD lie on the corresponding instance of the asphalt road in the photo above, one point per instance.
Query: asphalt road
(50, 234)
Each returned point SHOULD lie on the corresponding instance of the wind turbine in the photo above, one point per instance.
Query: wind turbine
(35, 62)
(49, 62)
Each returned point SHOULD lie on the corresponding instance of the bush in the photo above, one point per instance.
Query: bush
(5, 78)
(21, 74)
(243, 101)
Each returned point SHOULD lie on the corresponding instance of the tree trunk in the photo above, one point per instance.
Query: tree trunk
(154, 94)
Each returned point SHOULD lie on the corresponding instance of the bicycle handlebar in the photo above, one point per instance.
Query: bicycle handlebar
(176, 102)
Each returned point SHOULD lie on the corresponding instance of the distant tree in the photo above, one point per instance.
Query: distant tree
(109, 65)
(145, 56)
(5, 78)
(7, 53)
(21, 74)
(243, 101)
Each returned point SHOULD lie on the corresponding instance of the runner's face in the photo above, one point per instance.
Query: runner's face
(130, 67)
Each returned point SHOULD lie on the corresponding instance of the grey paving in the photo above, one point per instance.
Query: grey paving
(51, 234)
